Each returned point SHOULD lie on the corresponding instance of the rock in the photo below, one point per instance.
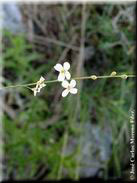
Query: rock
(95, 148)
(12, 18)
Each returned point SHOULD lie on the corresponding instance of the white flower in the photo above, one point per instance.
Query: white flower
(69, 87)
(40, 84)
(63, 71)
(35, 91)
(42, 79)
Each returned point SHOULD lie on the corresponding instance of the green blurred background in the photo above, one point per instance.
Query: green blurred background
(83, 135)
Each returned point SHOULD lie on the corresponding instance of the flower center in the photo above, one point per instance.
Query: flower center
(69, 87)
(62, 71)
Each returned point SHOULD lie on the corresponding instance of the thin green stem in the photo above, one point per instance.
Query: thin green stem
(80, 78)
(51, 81)
(21, 85)
(26, 85)
(76, 78)
(117, 76)
(102, 77)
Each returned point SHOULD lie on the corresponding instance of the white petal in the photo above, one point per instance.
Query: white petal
(42, 79)
(37, 86)
(65, 84)
(65, 93)
(66, 66)
(73, 90)
(35, 91)
(58, 67)
(72, 83)
(61, 77)
(38, 90)
(68, 75)
(43, 85)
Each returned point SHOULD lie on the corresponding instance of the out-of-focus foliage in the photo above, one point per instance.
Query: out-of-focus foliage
(51, 137)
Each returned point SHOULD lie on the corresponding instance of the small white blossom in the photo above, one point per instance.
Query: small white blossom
(69, 87)
(40, 84)
(63, 71)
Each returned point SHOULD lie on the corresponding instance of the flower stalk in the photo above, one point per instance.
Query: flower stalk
(63, 76)
(123, 76)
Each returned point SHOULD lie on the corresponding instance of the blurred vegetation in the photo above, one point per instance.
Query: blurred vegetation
(44, 135)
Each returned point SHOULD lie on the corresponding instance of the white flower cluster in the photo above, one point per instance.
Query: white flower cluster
(63, 76)
(40, 84)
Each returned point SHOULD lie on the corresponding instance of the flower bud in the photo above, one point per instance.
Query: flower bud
(124, 76)
(113, 73)
(94, 77)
